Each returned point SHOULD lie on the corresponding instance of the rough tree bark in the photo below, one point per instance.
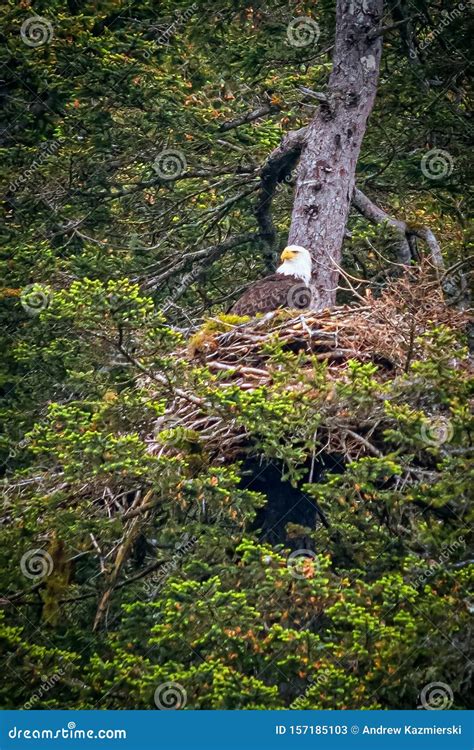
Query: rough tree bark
(326, 172)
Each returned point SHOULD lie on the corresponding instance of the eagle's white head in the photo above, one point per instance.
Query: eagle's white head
(296, 262)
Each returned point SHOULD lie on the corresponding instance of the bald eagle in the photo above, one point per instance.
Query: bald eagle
(288, 287)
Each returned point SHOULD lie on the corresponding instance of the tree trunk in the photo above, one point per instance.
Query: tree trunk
(326, 172)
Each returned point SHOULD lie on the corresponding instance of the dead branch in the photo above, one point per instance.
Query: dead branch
(249, 117)
(381, 30)
(277, 167)
(130, 535)
(207, 258)
(377, 215)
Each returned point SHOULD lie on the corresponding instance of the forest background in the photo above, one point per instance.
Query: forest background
(143, 565)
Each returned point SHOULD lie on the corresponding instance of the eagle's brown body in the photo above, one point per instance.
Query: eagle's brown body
(271, 293)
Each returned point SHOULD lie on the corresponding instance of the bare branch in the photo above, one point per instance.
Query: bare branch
(120, 191)
(130, 535)
(314, 94)
(208, 257)
(377, 215)
(278, 166)
(249, 117)
(424, 233)
(204, 254)
(389, 27)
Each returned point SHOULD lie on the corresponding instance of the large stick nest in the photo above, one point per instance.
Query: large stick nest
(383, 330)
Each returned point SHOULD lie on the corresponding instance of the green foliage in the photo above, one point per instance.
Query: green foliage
(208, 604)
(100, 492)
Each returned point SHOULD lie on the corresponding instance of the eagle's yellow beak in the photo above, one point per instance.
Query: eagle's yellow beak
(287, 254)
